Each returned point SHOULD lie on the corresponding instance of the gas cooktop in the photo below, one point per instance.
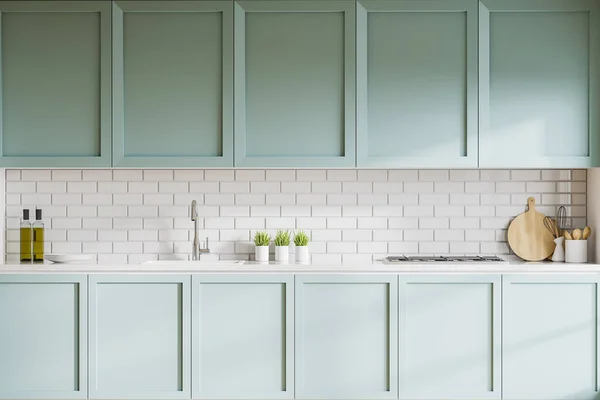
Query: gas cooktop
(434, 259)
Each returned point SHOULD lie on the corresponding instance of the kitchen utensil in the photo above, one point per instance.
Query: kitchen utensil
(576, 235)
(67, 258)
(587, 232)
(528, 237)
(568, 235)
(559, 250)
(561, 219)
(550, 225)
(576, 251)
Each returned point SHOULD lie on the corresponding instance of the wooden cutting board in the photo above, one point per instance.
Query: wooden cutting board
(528, 237)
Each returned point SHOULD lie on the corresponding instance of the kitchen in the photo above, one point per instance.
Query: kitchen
(379, 128)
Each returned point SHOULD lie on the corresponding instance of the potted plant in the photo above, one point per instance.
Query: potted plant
(301, 242)
(282, 246)
(261, 246)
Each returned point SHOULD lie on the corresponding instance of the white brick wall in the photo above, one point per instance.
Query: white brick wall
(353, 216)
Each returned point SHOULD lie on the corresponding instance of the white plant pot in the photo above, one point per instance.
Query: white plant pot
(302, 254)
(576, 251)
(282, 254)
(261, 253)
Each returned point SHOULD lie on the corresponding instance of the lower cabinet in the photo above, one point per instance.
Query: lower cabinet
(243, 336)
(346, 336)
(550, 337)
(139, 336)
(305, 336)
(43, 336)
(450, 332)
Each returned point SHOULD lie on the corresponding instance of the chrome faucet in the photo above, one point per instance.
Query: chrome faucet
(196, 249)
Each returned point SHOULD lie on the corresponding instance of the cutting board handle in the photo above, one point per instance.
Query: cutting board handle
(530, 204)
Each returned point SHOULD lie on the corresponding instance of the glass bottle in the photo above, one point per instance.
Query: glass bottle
(38, 237)
(26, 236)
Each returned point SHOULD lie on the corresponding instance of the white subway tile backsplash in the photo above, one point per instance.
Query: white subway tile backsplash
(96, 175)
(353, 216)
(127, 175)
(157, 175)
(219, 175)
(36, 175)
(355, 187)
(311, 175)
(405, 175)
(434, 175)
(250, 175)
(295, 187)
(494, 175)
(525, 175)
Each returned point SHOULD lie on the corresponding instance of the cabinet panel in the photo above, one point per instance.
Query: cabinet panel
(346, 337)
(55, 84)
(294, 83)
(539, 86)
(173, 83)
(43, 340)
(450, 337)
(550, 347)
(243, 337)
(139, 337)
(417, 83)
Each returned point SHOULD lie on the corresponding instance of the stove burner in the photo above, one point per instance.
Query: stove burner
(400, 259)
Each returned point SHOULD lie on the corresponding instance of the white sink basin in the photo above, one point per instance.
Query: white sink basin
(192, 263)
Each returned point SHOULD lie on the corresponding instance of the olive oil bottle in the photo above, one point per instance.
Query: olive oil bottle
(38, 237)
(26, 238)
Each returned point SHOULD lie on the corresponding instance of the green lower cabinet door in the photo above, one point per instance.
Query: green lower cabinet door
(550, 337)
(55, 79)
(243, 336)
(450, 337)
(43, 336)
(346, 336)
(139, 337)
(539, 93)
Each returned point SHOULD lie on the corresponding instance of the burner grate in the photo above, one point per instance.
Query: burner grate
(469, 259)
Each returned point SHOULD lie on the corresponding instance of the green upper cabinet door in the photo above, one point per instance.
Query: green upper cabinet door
(539, 83)
(43, 339)
(55, 80)
(243, 336)
(173, 84)
(450, 337)
(550, 337)
(294, 83)
(346, 337)
(416, 83)
(139, 337)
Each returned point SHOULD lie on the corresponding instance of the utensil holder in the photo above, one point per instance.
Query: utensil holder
(576, 251)
(559, 250)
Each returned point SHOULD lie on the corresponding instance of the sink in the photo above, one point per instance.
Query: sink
(192, 263)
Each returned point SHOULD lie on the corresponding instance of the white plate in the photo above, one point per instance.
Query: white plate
(67, 258)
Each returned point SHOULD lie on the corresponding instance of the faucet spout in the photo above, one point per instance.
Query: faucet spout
(196, 242)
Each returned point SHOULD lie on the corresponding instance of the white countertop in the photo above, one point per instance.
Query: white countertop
(170, 267)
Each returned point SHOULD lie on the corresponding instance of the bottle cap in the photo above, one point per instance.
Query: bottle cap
(38, 214)
(25, 214)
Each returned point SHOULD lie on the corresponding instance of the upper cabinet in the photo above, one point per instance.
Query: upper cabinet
(294, 83)
(55, 84)
(173, 83)
(539, 67)
(417, 83)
